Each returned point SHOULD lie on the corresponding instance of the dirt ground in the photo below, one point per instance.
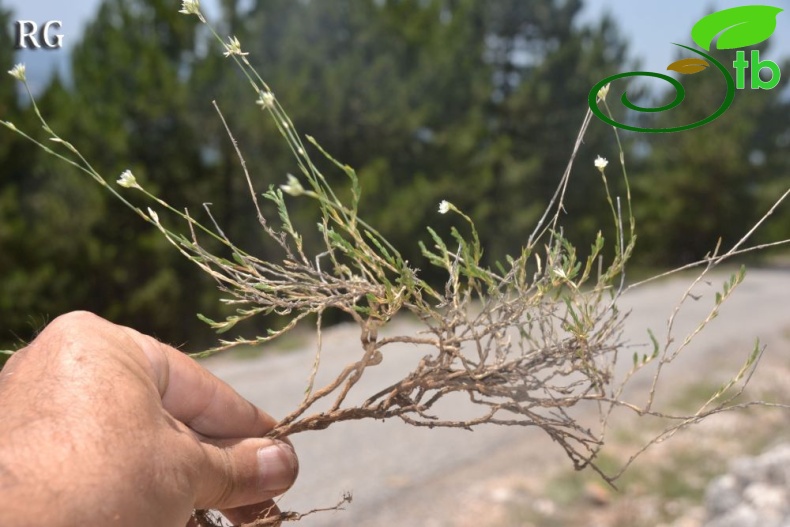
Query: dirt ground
(664, 487)
(515, 476)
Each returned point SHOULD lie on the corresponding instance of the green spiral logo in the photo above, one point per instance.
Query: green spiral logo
(680, 94)
(732, 28)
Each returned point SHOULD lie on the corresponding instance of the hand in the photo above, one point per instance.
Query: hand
(102, 425)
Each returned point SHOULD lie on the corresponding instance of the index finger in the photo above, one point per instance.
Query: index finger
(197, 398)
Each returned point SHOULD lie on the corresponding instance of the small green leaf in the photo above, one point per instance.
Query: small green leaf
(206, 319)
(755, 352)
(439, 242)
(222, 327)
(434, 259)
(573, 314)
(460, 239)
(655, 343)
(339, 242)
(382, 250)
(737, 27)
(362, 310)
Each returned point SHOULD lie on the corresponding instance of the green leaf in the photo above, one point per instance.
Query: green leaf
(339, 242)
(573, 315)
(439, 242)
(433, 258)
(382, 250)
(737, 27)
(356, 189)
(362, 310)
(206, 319)
(460, 239)
(222, 327)
(654, 340)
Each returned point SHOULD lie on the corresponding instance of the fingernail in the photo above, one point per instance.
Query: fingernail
(277, 466)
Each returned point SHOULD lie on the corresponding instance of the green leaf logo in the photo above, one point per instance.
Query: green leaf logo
(739, 27)
(688, 66)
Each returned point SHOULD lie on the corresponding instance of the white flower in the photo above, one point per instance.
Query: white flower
(600, 163)
(154, 215)
(444, 207)
(603, 91)
(190, 7)
(293, 187)
(127, 180)
(266, 100)
(18, 72)
(233, 47)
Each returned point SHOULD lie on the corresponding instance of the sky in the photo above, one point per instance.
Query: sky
(650, 26)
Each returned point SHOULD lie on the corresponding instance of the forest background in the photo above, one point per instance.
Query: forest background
(477, 103)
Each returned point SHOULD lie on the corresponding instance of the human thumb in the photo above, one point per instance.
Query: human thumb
(243, 472)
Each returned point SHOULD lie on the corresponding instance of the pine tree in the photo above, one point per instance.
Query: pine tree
(712, 182)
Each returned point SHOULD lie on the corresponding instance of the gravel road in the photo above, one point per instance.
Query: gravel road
(400, 475)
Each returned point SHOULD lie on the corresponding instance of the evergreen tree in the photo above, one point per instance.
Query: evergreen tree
(73, 245)
(131, 74)
(30, 280)
(477, 103)
(712, 182)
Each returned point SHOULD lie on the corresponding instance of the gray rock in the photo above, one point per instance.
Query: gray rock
(754, 493)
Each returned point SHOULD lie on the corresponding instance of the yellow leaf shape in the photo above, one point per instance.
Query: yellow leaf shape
(688, 66)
